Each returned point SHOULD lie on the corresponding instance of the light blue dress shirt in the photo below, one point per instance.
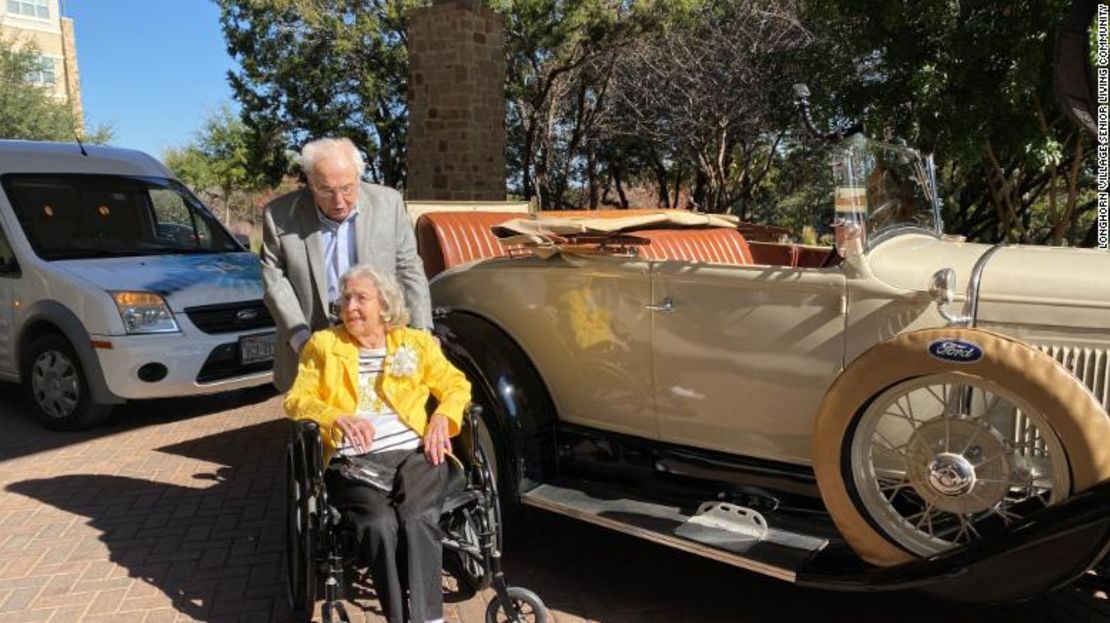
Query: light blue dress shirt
(340, 250)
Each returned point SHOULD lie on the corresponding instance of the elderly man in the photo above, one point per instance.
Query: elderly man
(312, 236)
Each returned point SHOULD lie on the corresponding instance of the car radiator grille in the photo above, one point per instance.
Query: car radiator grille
(230, 317)
(1089, 365)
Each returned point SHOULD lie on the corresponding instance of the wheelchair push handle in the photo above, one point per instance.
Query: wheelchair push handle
(472, 416)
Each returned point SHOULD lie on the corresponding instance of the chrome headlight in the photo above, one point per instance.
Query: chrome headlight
(144, 312)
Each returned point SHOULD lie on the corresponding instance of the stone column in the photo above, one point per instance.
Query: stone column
(72, 76)
(456, 141)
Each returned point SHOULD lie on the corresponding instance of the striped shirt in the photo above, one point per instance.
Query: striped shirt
(390, 433)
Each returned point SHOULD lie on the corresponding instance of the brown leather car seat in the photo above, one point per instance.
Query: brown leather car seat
(718, 245)
(446, 239)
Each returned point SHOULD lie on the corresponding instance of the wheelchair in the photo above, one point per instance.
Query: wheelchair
(319, 552)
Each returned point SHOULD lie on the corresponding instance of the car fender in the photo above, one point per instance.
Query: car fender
(1077, 417)
(47, 316)
(521, 418)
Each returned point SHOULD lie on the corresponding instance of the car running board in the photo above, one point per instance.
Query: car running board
(774, 552)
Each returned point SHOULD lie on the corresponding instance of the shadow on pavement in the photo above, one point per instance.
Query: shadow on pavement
(23, 435)
(215, 547)
(213, 542)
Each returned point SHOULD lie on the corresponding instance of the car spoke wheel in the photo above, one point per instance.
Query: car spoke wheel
(529, 606)
(941, 460)
(917, 453)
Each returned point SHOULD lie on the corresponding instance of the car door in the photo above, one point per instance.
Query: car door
(9, 278)
(743, 354)
(597, 354)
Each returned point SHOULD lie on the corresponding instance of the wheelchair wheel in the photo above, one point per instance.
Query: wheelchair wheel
(300, 550)
(528, 604)
(473, 574)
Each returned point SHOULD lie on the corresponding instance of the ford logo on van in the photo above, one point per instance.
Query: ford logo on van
(955, 351)
(246, 314)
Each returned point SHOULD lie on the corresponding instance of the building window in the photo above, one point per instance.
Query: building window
(43, 75)
(30, 8)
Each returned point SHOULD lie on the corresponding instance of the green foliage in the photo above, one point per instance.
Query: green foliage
(191, 166)
(313, 68)
(971, 82)
(28, 111)
(610, 103)
(558, 52)
(217, 164)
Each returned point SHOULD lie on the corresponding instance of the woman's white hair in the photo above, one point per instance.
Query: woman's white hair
(321, 148)
(395, 313)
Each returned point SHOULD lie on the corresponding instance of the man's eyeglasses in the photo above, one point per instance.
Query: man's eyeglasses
(331, 192)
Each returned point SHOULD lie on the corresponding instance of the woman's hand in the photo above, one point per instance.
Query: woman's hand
(437, 439)
(359, 432)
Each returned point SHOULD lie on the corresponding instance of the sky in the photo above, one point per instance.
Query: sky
(153, 69)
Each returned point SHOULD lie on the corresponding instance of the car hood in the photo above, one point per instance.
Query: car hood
(184, 280)
(1050, 286)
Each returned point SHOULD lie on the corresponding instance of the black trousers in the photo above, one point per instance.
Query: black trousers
(398, 533)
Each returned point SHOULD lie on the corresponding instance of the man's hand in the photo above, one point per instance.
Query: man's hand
(357, 431)
(437, 440)
(298, 340)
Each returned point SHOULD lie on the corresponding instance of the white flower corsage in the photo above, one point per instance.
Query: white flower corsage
(404, 362)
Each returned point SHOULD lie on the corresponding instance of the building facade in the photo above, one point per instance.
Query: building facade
(40, 22)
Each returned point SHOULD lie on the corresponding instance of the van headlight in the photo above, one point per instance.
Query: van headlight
(144, 312)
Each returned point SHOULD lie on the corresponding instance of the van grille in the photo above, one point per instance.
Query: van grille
(223, 363)
(230, 317)
(1089, 365)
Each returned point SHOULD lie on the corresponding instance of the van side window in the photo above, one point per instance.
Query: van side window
(75, 216)
(176, 222)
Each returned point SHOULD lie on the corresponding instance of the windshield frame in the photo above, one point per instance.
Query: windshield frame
(84, 182)
(858, 143)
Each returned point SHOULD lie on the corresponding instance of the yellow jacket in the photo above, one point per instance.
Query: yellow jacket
(326, 386)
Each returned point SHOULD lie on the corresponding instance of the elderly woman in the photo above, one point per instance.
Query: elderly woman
(366, 383)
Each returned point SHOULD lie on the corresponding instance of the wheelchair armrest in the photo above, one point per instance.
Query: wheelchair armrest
(305, 429)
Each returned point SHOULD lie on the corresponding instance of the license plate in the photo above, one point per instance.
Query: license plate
(256, 348)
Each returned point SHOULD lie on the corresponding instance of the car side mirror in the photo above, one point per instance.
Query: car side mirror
(942, 289)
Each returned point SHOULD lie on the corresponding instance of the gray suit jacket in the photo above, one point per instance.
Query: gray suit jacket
(294, 272)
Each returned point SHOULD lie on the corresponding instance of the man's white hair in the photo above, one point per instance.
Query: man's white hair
(333, 148)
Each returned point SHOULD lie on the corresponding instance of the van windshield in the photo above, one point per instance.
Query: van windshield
(82, 216)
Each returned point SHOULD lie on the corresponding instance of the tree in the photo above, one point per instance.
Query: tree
(971, 82)
(312, 68)
(27, 110)
(703, 92)
(217, 165)
(559, 53)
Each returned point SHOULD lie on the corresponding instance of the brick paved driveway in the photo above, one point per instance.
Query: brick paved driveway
(173, 511)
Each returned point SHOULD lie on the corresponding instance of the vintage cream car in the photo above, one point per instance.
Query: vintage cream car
(906, 410)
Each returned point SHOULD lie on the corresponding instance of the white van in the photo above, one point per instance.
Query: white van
(116, 284)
